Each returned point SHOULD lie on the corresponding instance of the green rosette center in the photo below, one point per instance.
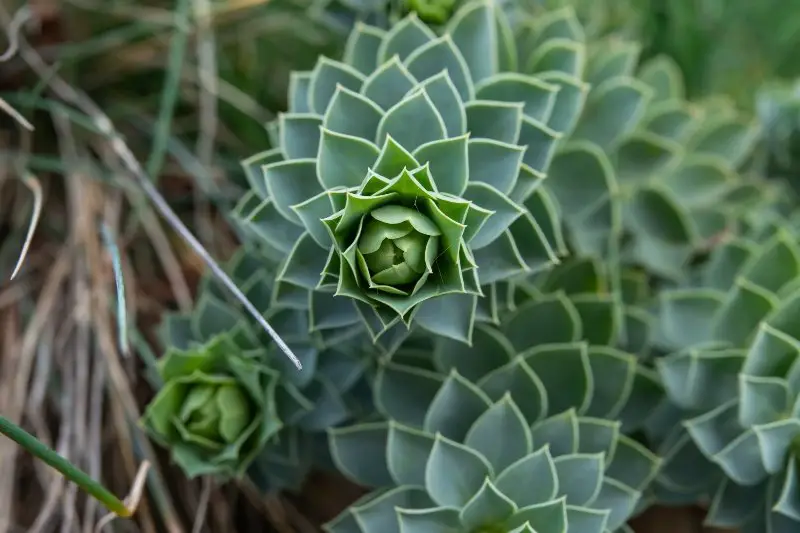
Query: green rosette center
(396, 247)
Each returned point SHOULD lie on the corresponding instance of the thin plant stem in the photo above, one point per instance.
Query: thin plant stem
(39, 450)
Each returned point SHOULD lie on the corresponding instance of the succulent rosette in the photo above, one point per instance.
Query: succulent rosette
(528, 429)
(405, 180)
(643, 176)
(731, 432)
(222, 342)
(534, 440)
(216, 410)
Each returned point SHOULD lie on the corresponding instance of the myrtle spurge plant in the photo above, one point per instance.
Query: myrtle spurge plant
(733, 383)
(216, 410)
(405, 179)
(223, 377)
(535, 444)
(640, 165)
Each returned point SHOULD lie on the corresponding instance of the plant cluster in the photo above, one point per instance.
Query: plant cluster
(532, 287)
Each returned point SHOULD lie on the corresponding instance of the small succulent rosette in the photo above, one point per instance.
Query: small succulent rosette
(733, 381)
(407, 178)
(216, 410)
(332, 387)
(536, 444)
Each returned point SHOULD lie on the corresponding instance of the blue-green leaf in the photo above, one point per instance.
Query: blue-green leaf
(504, 213)
(449, 163)
(412, 122)
(495, 163)
(389, 84)
(408, 35)
(454, 473)
(361, 49)
(447, 102)
(344, 160)
(489, 506)
(350, 113)
(360, 453)
(474, 33)
(441, 53)
(503, 418)
(299, 135)
(515, 481)
(326, 77)
(290, 183)
(500, 121)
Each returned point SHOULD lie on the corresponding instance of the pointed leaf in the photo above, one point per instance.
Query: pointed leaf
(612, 111)
(360, 452)
(344, 160)
(441, 53)
(350, 113)
(496, 163)
(405, 37)
(538, 97)
(290, 183)
(326, 77)
(550, 320)
(299, 135)
(407, 454)
(500, 121)
(434, 520)
(475, 35)
(412, 122)
(516, 480)
(454, 473)
(389, 84)
(545, 517)
(456, 406)
(449, 163)
(447, 102)
(579, 477)
(489, 506)
(361, 49)
(299, 88)
(450, 316)
(503, 418)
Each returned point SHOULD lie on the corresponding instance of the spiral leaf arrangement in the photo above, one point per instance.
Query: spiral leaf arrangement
(504, 452)
(405, 179)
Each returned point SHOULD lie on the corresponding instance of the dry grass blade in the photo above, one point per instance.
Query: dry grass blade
(16, 115)
(133, 498)
(20, 18)
(36, 188)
